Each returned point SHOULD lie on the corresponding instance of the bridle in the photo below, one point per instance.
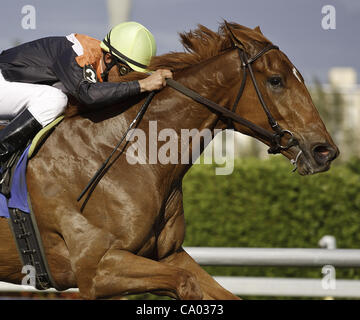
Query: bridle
(274, 138)
(275, 141)
(246, 63)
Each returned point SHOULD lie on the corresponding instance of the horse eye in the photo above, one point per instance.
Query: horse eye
(275, 81)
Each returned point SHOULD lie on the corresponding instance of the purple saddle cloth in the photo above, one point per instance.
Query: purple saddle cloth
(18, 190)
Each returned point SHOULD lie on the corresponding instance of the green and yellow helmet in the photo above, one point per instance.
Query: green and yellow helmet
(132, 43)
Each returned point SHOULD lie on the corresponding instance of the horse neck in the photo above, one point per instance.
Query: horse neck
(213, 79)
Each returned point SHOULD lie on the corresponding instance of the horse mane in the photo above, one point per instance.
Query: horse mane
(202, 44)
(199, 45)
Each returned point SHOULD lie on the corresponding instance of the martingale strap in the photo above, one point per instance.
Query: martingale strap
(90, 187)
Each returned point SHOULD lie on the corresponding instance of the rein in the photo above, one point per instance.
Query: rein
(215, 107)
(274, 138)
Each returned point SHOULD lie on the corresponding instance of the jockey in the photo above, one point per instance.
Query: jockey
(35, 77)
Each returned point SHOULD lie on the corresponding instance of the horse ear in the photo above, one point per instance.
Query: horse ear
(234, 40)
(257, 29)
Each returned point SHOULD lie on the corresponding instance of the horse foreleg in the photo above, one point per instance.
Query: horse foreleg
(211, 289)
(121, 272)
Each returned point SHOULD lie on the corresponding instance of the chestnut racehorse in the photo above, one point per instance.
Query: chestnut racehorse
(128, 239)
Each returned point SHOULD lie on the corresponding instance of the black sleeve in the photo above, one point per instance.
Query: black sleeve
(92, 94)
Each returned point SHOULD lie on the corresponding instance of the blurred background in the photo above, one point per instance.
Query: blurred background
(261, 204)
(327, 58)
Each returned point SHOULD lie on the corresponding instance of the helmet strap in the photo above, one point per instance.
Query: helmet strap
(108, 66)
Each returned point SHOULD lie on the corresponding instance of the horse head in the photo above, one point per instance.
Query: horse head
(238, 66)
(284, 93)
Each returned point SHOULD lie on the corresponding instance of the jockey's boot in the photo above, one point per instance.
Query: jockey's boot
(17, 133)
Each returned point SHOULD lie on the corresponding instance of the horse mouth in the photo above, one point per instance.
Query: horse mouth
(315, 159)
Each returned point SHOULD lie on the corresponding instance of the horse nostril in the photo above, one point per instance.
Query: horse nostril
(324, 153)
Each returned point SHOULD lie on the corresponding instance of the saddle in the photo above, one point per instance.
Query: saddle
(15, 205)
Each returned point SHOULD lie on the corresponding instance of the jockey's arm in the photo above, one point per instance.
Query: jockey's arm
(105, 93)
(96, 94)
(100, 94)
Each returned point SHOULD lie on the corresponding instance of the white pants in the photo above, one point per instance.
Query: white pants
(44, 102)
